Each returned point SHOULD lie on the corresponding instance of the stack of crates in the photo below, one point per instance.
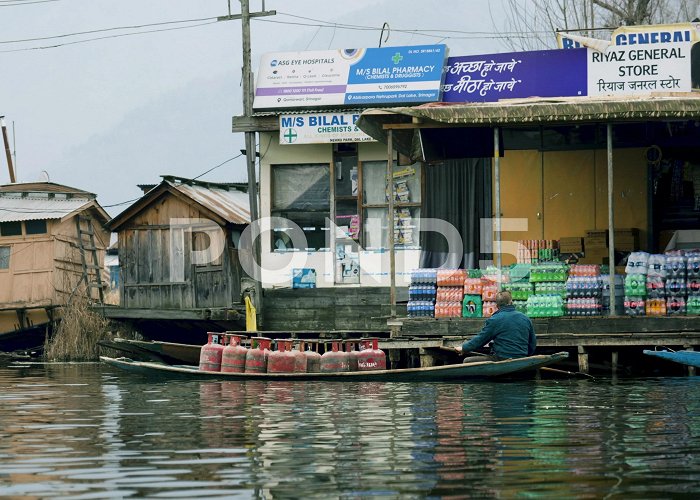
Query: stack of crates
(450, 292)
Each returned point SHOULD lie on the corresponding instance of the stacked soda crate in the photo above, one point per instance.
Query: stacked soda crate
(662, 284)
(550, 278)
(450, 293)
(534, 251)
(472, 304)
(584, 290)
(422, 293)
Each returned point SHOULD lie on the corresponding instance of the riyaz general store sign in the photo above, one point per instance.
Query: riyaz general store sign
(639, 60)
(323, 128)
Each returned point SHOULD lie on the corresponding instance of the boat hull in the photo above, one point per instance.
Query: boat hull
(485, 369)
(688, 358)
(166, 352)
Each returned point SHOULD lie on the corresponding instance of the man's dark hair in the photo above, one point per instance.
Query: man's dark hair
(503, 298)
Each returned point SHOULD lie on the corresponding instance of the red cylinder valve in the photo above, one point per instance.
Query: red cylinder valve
(210, 354)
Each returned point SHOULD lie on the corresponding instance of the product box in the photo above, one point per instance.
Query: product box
(471, 306)
(590, 242)
(595, 256)
(570, 245)
(304, 278)
(626, 243)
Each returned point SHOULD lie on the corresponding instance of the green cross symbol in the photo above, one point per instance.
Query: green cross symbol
(290, 135)
(397, 58)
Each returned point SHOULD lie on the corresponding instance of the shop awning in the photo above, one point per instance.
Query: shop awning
(407, 121)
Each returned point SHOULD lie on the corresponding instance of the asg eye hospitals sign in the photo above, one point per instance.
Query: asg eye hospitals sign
(321, 128)
(350, 77)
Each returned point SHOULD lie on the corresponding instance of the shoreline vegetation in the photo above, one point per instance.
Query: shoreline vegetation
(78, 332)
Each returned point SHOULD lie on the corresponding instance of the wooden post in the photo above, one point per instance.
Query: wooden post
(7, 150)
(426, 360)
(613, 361)
(392, 254)
(691, 369)
(611, 224)
(582, 359)
(497, 197)
(394, 358)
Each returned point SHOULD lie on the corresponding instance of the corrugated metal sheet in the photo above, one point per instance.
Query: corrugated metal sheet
(529, 111)
(231, 205)
(13, 209)
(42, 187)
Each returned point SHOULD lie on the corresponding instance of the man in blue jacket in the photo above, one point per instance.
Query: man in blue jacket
(511, 331)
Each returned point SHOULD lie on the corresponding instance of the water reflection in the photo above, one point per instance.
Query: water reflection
(87, 431)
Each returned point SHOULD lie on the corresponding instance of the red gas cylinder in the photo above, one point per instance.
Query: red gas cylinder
(300, 361)
(210, 354)
(233, 357)
(334, 360)
(256, 357)
(313, 358)
(371, 357)
(353, 355)
(282, 360)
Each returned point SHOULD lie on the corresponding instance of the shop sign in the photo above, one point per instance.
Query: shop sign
(639, 60)
(372, 76)
(492, 77)
(654, 34)
(640, 69)
(321, 128)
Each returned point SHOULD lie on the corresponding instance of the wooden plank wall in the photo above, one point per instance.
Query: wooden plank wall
(145, 259)
(333, 308)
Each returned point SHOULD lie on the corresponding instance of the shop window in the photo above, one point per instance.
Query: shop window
(10, 229)
(5, 257)
(407, 202)
(301, 194)
(35, 227)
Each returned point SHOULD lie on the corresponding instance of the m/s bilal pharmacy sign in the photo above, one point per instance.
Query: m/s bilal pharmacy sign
(323, 128)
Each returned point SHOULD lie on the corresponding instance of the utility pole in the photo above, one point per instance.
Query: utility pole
(247, 80)
(8, 154)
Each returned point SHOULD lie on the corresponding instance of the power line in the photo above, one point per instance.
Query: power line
(102, 30)
(219, 165)
(358, 27)
(105, 38)
(16, 3)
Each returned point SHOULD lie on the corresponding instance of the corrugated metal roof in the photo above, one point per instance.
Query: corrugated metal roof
(15, 208)
(231, 205)
(42, 187)
(527, 111)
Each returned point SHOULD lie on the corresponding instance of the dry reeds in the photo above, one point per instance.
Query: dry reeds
(77, 334)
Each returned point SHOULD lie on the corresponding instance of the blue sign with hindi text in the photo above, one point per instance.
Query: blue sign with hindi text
(492, 77)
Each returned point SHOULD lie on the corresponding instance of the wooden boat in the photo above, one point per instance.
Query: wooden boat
(689, 358)
(166, 352)
(485, 369)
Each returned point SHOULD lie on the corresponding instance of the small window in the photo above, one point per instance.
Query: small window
(10, 229)
(5, 257)
(35, 227)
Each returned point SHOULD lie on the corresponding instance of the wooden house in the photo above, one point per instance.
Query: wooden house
(52, 244)
(178, 251)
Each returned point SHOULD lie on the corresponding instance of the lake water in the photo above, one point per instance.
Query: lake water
(91, 431)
